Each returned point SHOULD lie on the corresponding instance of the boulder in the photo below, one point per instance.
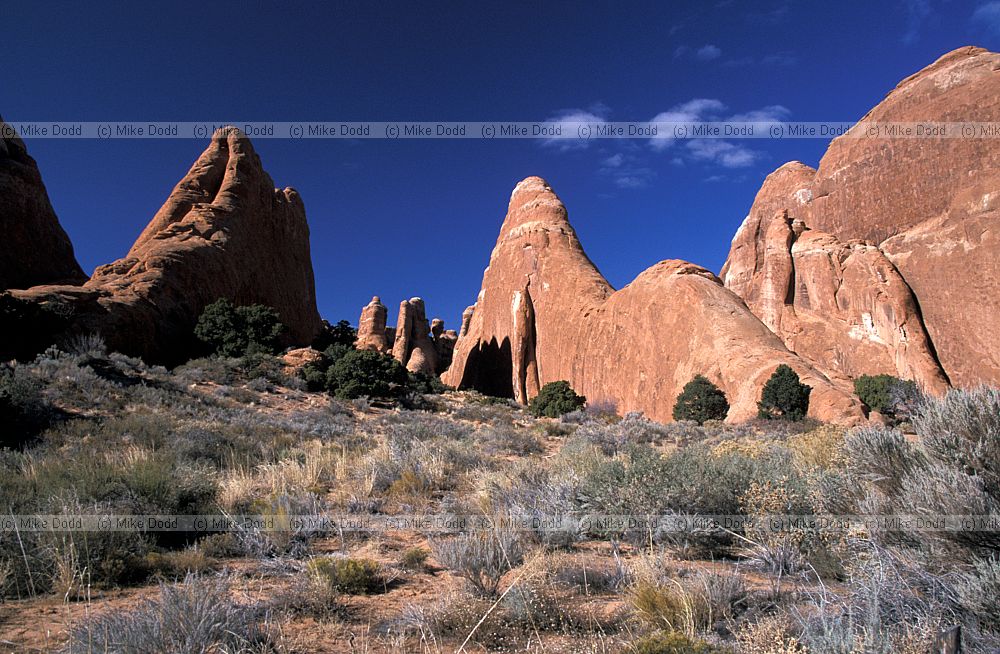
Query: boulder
(35, 249)
(545, 313)
(297, 359)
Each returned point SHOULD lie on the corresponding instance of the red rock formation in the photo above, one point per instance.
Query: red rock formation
(414, 347)
(421, 347)
(545, 313)
(224, 232)
(842, 306)
(371, 327)
(929, 205)
(35, 249)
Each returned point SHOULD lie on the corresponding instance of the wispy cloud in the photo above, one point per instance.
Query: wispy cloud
(715, 150)
(916, 12)
(596, 113)
(708, 52)
(723, 153)
(987, 17)
(691, 111)
(777, 59)
(626, 171)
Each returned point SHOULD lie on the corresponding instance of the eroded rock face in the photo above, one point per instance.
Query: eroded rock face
(224, 232)
(35, 248)
(842, 306)
(545, 313)
(929, 205)
(371, 327)
(414, 346)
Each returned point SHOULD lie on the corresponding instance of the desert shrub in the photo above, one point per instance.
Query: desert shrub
(541, 498)
(784, 396)
(672, 642)
(366, 373)
(350, 576)
(962, 431)
(507, 439)
(884, 393)
(341, 333)
(197, 615)
(688, 536)
(978, 590)
(232, 331)
(315, 372)
(891, 605)
(481, 557)
(633, 428)
(555, 399)
(426, 384)
(882, 457)
(23, 408)
(701, 400)
(414, 558)
(585, 576)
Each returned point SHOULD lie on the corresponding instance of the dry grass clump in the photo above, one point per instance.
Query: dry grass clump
(771, 634)
(691, 604)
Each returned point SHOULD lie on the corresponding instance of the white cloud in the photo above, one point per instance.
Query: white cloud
(987, 16)
(614, 161)
(692, 111)
(714, 150)
(724, 153)
(708, 52)
(567, 119)
(768, 115)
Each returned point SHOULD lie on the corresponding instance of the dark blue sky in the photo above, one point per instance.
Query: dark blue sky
(404, 218)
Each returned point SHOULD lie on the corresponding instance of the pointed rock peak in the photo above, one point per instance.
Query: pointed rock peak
(534, 201)
(228, 176)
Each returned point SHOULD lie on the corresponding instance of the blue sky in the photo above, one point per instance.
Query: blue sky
(419, 217)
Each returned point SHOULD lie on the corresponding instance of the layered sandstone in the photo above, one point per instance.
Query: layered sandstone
(929, 206)
(35, 249)
(545, 313)
(224, 232)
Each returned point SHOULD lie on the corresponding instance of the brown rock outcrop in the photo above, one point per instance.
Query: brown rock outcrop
(929, 205)
(224, 232)
(545, 313)
(371, 327)
(35, 249)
